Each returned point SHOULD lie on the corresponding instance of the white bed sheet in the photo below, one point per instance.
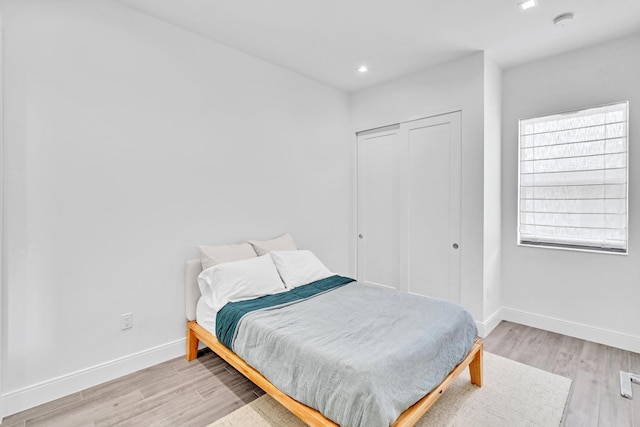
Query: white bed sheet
(206, 316)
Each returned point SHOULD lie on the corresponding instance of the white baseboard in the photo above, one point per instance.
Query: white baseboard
(485, 328)
(573, 329)
(46, 391)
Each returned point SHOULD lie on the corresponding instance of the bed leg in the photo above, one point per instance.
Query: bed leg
(192, 342)
(475, 368)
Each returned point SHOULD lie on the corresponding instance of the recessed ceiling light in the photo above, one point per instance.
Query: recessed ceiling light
(527, 4)
(363, 69)
(564, 19)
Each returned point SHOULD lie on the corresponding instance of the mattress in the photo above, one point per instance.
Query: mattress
(206, 316)
(359, 354)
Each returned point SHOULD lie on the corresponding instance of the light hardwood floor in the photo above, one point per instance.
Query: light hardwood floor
(181, 393)
(594, 399)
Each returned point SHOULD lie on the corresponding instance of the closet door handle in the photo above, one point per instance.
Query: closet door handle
(360, 236)
(455, 246)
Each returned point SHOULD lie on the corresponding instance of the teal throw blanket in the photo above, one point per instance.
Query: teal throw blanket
(229, 316)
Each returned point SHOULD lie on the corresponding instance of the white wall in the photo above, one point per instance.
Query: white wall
(456, 85)
(128, 142)
(2, 323)
(589, 295)
(492, 192)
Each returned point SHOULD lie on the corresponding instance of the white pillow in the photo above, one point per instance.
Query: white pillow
(239, 281)
(282, 243)
(299, 268)
(213, 255)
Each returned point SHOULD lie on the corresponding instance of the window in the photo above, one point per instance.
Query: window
(573, 179)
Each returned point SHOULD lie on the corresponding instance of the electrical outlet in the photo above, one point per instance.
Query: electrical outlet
(126, 321)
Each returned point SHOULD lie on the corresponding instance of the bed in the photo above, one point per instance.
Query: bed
(273, 363)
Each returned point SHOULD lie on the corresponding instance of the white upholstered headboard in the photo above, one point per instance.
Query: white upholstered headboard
(193, 267)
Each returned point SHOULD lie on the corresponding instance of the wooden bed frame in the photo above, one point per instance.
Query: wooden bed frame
(197, 334)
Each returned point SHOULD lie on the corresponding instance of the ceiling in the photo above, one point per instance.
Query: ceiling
(328, 39)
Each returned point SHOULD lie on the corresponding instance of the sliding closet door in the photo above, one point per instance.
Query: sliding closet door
(409, 206)
(433, 233)
(379, 207)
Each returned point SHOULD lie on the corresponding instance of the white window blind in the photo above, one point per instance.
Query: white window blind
(573, 179)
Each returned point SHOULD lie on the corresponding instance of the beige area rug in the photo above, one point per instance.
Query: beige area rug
(513, 394)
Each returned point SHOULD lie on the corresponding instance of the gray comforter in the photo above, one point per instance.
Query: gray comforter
(359, 354)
